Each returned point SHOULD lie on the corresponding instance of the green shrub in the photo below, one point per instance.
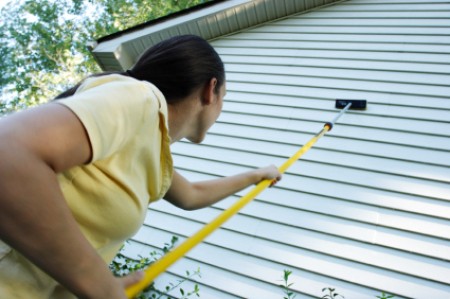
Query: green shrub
(123, 265)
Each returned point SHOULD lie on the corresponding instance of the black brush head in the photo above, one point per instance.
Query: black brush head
(356, 104)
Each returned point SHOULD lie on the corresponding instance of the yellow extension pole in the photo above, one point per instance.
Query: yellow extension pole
(166, 261)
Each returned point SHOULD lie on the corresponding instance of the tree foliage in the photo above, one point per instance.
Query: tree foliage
(43, 43)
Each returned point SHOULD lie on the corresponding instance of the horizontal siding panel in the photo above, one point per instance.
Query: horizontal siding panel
(391, 2)
(344, 38)
(364, 22)
(392, 7)
(393, 58)
(323, 14)
(353, 30)
(336, 46)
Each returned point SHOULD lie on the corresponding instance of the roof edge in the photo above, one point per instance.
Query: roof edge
(209, 20)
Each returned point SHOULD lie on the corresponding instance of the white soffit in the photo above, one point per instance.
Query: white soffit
(119, 51)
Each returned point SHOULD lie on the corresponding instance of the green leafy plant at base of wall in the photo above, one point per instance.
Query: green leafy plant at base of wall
(288, 294)
(330, 293)
(385, 296)
(123, 265)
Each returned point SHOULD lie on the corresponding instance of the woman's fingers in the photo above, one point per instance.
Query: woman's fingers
(132, 278)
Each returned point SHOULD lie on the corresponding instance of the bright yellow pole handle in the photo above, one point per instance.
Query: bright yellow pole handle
(303, 149)
(166, 261)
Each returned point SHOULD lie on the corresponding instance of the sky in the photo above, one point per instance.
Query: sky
(3, 2)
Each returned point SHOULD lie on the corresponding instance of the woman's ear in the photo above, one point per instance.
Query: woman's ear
(209, 92)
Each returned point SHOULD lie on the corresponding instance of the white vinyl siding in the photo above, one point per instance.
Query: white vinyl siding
(367, 209)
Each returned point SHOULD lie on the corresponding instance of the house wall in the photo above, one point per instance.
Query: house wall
(367, 208)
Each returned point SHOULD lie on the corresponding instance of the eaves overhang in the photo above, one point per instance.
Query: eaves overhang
(211, 20)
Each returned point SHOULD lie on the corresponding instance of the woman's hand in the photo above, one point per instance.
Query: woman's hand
(111, 287)
(270, 172)
(192, 196)
(129, 280)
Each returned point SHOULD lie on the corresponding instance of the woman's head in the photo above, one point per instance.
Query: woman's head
(179, 66)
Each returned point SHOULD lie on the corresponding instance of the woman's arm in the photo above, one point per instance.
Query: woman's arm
(34, 217)
(192, 196)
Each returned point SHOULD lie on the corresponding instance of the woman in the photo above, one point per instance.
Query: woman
(77, 174)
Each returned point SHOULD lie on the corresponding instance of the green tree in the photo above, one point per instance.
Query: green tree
(43, 43)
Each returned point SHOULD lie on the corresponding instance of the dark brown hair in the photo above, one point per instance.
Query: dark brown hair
(176, 66)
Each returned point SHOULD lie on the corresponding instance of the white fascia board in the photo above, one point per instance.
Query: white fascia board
(112, 45)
